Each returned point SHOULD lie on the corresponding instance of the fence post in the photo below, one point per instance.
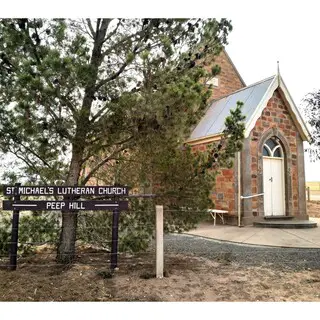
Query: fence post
(308, 192)
(159, 242)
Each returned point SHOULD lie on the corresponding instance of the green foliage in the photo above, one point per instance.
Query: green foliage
(136, 227)
(4, 239)
(34, 229)
(86, 86)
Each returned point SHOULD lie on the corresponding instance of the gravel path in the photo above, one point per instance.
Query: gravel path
(248, 255)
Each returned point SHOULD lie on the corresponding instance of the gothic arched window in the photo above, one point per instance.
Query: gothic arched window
(272, 148)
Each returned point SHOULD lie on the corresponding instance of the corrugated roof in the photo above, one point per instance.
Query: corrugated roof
(213, 121)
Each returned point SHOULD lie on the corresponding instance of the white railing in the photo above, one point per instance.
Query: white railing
(252, 196)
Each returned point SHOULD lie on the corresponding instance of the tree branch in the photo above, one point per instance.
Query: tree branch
(101, 147)
(32, 45)
(98, 26)
(120, 42)
(36, 155)
(99, 113)
(112, 77)
(121, 69)
(91, 28)
(112, 33)
(25, 160)
(100, 164)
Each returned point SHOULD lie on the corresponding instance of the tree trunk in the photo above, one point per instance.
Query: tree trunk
(66, 247)
(67, 243)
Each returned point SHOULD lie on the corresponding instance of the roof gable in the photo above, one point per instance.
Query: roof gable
(278, 83)
(255, 98)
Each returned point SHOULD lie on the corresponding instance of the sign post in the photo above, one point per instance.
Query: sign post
(70, 193)
(114, 241)
(14, 234)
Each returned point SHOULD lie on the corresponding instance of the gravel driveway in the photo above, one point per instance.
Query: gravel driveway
(248, 255)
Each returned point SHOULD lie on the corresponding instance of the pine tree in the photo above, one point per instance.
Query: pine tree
(76, 94)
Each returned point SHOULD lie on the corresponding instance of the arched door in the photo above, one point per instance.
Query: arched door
(273, 178)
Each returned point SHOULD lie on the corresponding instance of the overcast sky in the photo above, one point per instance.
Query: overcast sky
(264, 32)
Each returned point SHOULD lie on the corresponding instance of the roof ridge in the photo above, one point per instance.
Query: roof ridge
(244, 88)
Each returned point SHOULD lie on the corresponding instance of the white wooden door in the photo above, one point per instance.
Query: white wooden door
(273, 185)
(267, 186)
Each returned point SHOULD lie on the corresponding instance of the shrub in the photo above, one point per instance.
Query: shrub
(136, 227)
(34, 229)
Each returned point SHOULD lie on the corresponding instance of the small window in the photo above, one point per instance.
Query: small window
(271, 143)
(272, 148)
(266, 152)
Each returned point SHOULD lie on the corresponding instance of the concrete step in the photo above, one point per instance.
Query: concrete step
(278, 217)
(286, 224)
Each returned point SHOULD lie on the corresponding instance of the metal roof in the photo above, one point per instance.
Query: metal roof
(213, 121)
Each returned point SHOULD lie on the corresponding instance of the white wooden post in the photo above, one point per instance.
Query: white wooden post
(159, 242)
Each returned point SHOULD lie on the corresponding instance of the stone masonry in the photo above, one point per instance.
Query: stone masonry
(229, 80)
(275, 120)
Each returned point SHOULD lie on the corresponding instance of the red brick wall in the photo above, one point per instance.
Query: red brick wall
(229, 80)
(223, 193)
(275, 115)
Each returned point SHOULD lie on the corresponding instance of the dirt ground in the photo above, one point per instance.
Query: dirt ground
(187, 278)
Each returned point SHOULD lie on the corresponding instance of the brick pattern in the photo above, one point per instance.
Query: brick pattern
(223, 193)
(228, 78)
(275, 115)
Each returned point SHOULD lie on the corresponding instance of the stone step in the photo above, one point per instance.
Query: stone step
(286, 224)
(278, 217)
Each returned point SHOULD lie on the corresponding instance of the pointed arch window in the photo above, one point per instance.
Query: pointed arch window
(272, 148)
